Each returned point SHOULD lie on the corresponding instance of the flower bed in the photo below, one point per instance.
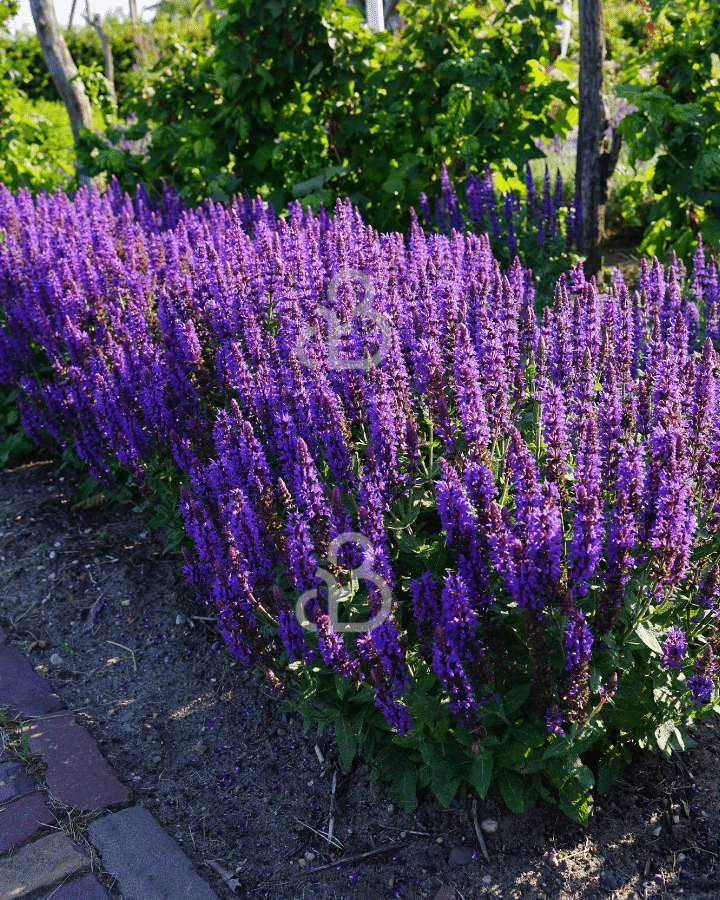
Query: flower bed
(531, 507)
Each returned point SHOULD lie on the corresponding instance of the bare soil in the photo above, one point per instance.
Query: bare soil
(205, 747)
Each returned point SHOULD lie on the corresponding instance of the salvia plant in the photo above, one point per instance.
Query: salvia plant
(482, 546)
(540, 228)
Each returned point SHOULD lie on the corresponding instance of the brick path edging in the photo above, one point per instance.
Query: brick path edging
(146, 863)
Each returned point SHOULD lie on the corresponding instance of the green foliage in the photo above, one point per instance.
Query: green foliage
(300, 100)
(133, 50)
(35, 137)
(15, 444)
(678, 119)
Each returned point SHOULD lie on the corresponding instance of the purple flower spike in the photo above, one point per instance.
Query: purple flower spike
(673, 649)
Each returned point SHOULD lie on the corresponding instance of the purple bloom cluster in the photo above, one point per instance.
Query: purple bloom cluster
(674, 647)
(541, 219)
(565, 453)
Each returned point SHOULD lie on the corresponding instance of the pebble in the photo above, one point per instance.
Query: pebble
(489, 826)
(460, 856)
(302, 863)
(200, 749)
(486, 879)
(608, 881)
(281, 732)
(157, 759)
(391, 808)
(439, 840)
(56, 660)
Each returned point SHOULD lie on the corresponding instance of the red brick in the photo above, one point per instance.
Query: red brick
(13, 781)
(76, 772)
(144, 859)
(85, 888)
(25, 692)
(21, 819)
(40, 865)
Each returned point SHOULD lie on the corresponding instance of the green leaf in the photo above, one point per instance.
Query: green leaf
(609, 770)
(646, 634)
(663, 733)
(514, 699)
(510, 754)
(530, 735)
(576, 801)
(512, 787)
(481, 773)
(389, 764)
(404, 789)
(346, 737)
(444, 790)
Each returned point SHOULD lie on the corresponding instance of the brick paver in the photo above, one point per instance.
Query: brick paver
(21, 819)
(40, 865)
(77, 774)
(13, 781)
(24, 691)
(85, 888)
(145, 860)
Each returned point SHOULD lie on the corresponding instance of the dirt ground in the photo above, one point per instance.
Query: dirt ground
(204, 746)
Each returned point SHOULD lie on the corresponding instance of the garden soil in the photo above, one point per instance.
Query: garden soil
(205, 747)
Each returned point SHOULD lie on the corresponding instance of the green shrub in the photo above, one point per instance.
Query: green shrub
(301, 101)
(678, 118)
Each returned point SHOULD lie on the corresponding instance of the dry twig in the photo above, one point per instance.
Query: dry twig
(331, 817)
(478, 832)
(128, 650)
(331, 840)
(351, 859)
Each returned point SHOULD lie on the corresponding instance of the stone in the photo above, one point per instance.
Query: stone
(76, 772)
(146, 862)
(22, 819)
(460, 856)
(13, 781)
(489, 826)
(26, 693)
(85, 888)
(608, 881)
(40, 865)
(445, 893)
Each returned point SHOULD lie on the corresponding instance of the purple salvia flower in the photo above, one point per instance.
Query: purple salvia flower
(585, 546)
(554, 720)
(426, 606)
(701, 688)
(555, 438)
(459, 619)
(578, 645)
(469, 395)
(674, 647)
(448, 667)
(389, 674)
(709, 593)
(627, 482)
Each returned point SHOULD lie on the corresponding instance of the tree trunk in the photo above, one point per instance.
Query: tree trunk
(133, 13)
(107, 55)
(596, 159)
(564, 26)
(375, 15)
(61, 66)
